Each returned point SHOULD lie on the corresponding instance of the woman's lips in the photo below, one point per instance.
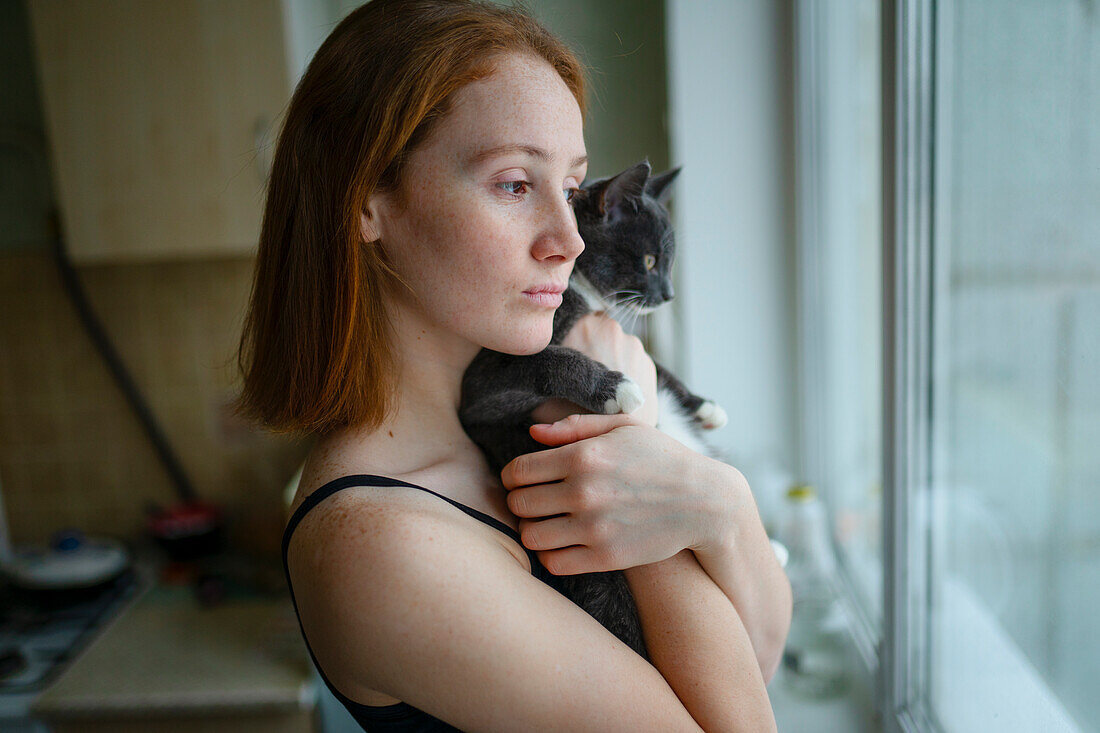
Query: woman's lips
(544, 297)
(547, 293)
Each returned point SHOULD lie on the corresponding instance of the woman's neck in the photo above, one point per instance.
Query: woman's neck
(423, 429)
(430, 364)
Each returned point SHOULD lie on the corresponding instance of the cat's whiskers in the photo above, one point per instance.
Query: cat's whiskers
(642, 313)
(619, 308)
(627, 307)
(631, 304)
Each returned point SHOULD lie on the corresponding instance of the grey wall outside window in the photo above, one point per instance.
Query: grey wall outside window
(1016, 411)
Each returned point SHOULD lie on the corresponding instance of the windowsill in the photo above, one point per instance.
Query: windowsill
(849, 712)
(987, 680)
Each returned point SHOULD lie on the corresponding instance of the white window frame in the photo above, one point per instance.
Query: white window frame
(907, 216)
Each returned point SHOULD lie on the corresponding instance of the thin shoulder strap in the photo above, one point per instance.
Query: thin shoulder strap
(364, 479)
(538, 570)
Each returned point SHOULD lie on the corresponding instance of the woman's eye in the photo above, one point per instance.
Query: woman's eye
(515, 188)
(571, 194)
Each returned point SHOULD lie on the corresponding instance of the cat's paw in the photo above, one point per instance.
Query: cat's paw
(711, 416)
(628, 398)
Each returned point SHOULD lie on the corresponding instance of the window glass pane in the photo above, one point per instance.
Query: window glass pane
(841, 290)
(1015, 529)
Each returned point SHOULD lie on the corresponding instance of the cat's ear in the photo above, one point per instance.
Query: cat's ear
(619, 193)
(657, 187)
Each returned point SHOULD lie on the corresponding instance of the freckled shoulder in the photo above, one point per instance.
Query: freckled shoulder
(331, 536)
(461, 480)
(341, 511)
(338, 514)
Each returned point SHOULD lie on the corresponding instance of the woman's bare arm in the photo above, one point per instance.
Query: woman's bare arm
(733, 548)
(740, 560)
(710, 500)
(404, 594)
(698, 643)
(598, 496)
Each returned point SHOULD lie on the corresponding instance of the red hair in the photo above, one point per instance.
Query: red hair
(316, 352)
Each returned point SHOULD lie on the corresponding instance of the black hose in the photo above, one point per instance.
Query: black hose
(122, 377)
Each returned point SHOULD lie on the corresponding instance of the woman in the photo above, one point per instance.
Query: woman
(420, 194)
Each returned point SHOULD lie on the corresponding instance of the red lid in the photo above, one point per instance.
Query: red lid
(185, 520)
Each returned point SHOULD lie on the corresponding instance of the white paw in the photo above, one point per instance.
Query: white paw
(711, 415)
(628, 398)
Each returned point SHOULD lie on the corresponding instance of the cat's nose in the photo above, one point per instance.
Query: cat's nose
(667, 292)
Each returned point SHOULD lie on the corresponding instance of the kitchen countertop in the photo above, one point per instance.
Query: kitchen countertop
(165, 655)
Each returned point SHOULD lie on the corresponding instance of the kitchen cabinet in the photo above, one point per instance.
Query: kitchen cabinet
(160, 118)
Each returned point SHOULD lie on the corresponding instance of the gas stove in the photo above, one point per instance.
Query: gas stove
(41, 631)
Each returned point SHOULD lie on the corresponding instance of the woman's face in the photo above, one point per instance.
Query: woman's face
(487, 218)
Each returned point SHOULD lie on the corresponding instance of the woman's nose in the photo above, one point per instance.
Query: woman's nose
(558, 235)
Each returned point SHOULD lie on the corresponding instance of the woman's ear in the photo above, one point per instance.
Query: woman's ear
(369, 221)
(367, 226)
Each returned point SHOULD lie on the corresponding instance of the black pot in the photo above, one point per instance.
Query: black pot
(188, 531)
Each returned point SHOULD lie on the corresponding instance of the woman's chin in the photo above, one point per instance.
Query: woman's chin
(531, 343)
(530, 348)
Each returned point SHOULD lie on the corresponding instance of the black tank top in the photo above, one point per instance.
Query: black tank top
(401, 717)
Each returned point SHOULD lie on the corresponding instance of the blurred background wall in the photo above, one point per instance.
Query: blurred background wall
(71, 452)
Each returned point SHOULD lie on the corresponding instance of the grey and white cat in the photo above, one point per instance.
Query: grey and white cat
(625, 269)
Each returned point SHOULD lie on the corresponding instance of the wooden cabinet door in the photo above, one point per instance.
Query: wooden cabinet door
(154, 110)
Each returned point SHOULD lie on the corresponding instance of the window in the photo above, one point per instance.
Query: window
(978, 607)
(1015, 366)
(839, 275)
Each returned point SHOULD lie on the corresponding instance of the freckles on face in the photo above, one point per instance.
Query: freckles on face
(449, 249)
(467, 270)
(469, 247)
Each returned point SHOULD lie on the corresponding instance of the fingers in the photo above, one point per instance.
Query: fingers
(575, 560)
(545, 466)
(540, 467)
(558, 542)
(549, 534)
(567, 560)
(542, 500)
(579, 427)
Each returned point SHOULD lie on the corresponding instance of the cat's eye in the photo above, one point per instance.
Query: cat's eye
(650, 261)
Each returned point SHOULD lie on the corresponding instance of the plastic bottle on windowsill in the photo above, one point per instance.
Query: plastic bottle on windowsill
(815, 660)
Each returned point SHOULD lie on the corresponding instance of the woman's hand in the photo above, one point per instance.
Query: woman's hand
(618, 494)
(629, 495)
(600, 337)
